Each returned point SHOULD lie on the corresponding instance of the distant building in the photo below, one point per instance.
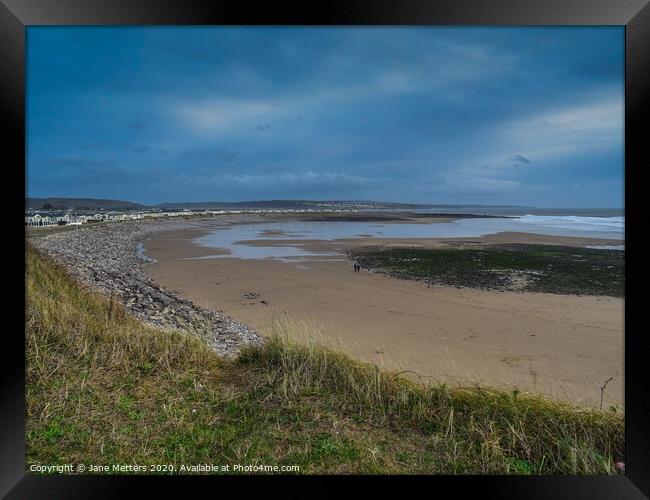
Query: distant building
(41, 218)
(39, 221)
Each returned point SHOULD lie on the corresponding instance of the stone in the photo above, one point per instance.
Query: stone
(105, 258)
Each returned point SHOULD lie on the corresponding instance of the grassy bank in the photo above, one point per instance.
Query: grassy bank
(104, 389)
(534, 268)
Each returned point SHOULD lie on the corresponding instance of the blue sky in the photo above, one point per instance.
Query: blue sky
(527, 116)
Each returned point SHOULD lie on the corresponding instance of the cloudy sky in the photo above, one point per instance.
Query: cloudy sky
(529, 116)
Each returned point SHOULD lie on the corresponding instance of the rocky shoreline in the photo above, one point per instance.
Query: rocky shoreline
(106, 258)
(506, 267)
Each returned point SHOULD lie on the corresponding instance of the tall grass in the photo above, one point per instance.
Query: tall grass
(104, 388)
(486, 429)
(64, 318)
(100, 384)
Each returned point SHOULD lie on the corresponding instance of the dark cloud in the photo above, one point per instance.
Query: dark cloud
(264, 126)
(140, 149)
(78, 162)
(137, 125)
(520, 159)
(225, 155)
(90, 171)
(222, 155)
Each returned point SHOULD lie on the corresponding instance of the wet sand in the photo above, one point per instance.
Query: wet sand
(562, 346)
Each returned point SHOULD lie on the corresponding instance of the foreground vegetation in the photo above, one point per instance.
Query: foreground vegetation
(534, 268)
(104, 389)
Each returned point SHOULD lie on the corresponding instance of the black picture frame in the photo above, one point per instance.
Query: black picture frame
(16, 15)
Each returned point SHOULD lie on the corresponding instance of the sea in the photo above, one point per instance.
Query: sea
(286, 240)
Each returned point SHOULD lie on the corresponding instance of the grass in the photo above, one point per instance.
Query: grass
(39, 232)
(535, 268)
(104, 389)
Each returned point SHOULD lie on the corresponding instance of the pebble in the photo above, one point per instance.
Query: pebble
(109, 259)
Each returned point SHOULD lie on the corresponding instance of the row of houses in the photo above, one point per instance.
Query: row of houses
(42, 220)
(39, 220)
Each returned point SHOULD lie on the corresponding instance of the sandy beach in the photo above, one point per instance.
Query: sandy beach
(559, 345)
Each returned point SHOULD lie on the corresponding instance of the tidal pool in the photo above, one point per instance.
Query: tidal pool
(268, 236)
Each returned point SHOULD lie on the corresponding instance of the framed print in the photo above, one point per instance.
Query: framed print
(369, 243)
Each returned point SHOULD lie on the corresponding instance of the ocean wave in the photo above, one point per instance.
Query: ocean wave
(576, 223)
(607, 247)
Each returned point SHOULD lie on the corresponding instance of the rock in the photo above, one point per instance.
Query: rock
(106, 259)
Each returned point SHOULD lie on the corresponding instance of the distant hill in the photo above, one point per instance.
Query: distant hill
(287, 204)
(80, 204)
(97, 204)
